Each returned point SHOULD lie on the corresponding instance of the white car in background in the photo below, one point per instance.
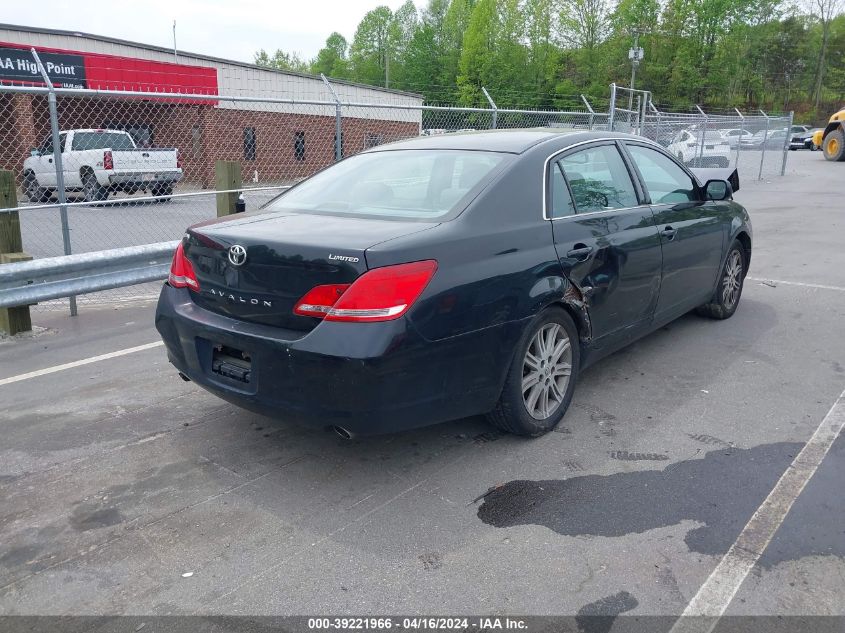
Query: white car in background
(733, 135)
(688, 148)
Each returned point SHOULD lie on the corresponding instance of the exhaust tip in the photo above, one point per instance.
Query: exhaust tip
(344, 433)
(184, 377)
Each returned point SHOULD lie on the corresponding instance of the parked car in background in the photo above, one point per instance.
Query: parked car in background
(732, 136)
(799, 129)
(433, 279)
(713, 152)
(99, 162)
(804, 140)
(771, 139)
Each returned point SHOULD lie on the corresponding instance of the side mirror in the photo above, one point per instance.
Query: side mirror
(718, 190)
(34, 152)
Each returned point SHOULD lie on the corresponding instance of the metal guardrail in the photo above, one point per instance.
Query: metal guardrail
(26, 283)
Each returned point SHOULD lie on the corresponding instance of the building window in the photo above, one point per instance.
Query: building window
(371, 140)
(249, 143)
(299, 145)
(196, 140)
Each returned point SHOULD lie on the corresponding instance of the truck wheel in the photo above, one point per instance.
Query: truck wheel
(92, 189)
(834, 145)
(162, 192)
(33, 191)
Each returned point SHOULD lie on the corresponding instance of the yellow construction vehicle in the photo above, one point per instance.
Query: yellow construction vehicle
(832, 138)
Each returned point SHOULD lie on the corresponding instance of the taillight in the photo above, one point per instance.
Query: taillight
(182, 271)
(108, 161)
(381, 294)
(178, 160)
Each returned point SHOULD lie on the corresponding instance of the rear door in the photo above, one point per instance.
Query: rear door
(605, 238)
(692, 232)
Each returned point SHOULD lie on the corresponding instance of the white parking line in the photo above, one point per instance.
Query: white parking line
(79, 363)
(795, 283)
(716, 594)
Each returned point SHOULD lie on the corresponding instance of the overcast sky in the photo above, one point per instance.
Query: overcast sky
(229, 29)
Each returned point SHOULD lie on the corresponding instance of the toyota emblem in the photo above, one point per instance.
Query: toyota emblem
(237, 255)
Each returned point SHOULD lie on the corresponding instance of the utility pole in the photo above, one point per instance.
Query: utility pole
(635, 54)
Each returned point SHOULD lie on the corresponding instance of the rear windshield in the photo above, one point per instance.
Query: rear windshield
(102, 140)
(412, 184)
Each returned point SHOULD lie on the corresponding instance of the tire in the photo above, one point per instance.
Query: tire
(34, 192)
(548, 403)
(728, 292)
(162, 192)
(833, 145)
(92, 189)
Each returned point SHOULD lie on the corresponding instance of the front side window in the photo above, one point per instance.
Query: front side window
(413, 184)
(46, 146)
(599, 179)
(664, 180)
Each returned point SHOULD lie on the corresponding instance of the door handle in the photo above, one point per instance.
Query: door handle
(580, 252)
(49, 160)
(668, 232)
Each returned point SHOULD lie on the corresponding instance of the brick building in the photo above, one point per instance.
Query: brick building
(263, 123)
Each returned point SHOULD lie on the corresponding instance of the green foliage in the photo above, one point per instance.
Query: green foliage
(545, 53)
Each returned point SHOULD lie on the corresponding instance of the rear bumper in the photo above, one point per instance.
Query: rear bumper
(145, 179)
(368, 378)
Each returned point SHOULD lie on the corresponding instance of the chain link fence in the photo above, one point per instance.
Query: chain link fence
(99, 169)
(757, 145)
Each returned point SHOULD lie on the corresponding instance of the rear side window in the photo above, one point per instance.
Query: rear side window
(599, 179)
(665, 181)
(414, 184)
(560, 200)
(101, 140)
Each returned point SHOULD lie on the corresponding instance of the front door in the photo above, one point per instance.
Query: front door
(692, 231)
(605, 238)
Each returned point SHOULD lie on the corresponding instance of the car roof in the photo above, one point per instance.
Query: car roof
(514, 141)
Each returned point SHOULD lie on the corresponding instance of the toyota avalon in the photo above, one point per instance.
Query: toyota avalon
(451, 275)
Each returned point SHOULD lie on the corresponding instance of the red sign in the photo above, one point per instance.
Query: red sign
(76, 69)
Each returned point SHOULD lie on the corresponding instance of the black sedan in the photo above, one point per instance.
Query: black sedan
(449, 276)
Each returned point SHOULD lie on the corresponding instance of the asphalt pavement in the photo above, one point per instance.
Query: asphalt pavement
(126, 491)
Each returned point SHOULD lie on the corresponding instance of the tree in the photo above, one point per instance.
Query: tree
(281, 60)
(824, 11)
(476, 60)
(369, 52)
(332, 59)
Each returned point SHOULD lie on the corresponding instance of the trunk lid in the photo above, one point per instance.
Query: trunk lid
(285, 255)
(144, 160)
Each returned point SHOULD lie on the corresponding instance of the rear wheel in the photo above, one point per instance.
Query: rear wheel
(833, 145)
(33, 191)
(726, 298)
(162, 192)
(92, 190)
(541, 379)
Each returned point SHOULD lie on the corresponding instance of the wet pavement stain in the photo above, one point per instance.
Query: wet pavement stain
(737, 481)
(84, 519)
(598, 616)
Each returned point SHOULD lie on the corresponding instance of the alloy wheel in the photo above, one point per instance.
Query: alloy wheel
(546, 370)
(732, 280)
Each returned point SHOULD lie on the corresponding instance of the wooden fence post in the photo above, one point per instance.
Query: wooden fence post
(12, 320)
(227, 176)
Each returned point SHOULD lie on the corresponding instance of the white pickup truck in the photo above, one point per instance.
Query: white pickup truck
(98, 162)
